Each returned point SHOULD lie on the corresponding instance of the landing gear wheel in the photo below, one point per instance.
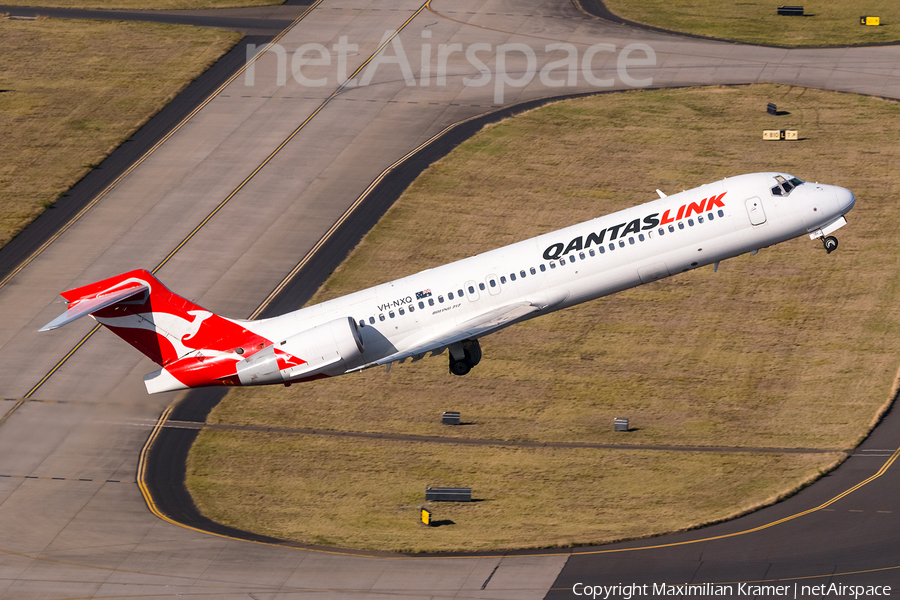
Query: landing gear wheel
(830, 243)
(459, 367)
(471, 356)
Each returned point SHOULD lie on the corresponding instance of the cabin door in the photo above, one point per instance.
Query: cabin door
(755, 211)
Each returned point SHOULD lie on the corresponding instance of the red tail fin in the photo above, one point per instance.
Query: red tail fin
(162, 325)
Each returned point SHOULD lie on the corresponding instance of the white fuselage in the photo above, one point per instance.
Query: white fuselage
(560, 269)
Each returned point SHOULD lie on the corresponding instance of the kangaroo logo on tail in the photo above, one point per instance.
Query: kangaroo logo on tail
(194, 345)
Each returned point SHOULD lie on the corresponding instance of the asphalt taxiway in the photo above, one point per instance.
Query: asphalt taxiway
(227, 206)
(841, 530)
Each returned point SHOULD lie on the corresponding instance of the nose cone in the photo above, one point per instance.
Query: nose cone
(845, 198)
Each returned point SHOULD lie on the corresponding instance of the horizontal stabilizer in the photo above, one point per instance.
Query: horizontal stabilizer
(87, 306)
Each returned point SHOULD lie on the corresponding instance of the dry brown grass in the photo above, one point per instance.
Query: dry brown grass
(365, 494)
(71, 91)
(789, 348)
(828, 22)
(142, 4)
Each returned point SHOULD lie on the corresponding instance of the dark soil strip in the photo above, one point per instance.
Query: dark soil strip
(434, 439)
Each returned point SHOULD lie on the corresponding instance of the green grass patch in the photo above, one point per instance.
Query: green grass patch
(828, 22)
(789, 348)
(71, 91)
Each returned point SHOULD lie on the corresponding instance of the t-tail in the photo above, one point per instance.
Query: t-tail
(193, 346)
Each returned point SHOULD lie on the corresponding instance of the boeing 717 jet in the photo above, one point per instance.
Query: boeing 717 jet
(453, 306)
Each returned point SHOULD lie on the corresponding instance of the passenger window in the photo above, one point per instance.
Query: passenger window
(671, 228)
(562, 261)
(680, 225)
(691, 222)
(662, 231)
(699, 219)
(601, 249)
(641, 237)
(572, 258)
(592, 252)
(362, 322)
(402, 312)
(412, 308)
(493, 283)
(612, 246)
(391, 314)
(543, 267)
(581, 255)
(371, 320)
(553, 265)
(721, 213)
(709, 216)
(512, 276)
(481, 286)
(631, 241)
(461, 293)
(431, 302)
(622, 243)
(522, 273)
(421, 304)
(503, 279)
(449, 295)
(471, 289)
(381, 317)
(441, 299)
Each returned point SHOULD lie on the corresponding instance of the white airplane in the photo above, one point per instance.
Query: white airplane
(452, 306)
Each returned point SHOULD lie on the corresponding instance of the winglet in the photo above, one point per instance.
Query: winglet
(80, 308)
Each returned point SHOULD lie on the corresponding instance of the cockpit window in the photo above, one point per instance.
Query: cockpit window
(784, 186)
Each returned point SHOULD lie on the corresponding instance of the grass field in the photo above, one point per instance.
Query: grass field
(366, 493)
(829, 22)
(71, 91)
(142, 4)
(789, 348)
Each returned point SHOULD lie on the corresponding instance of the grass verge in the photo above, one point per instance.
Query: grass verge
(142, 4)
(827, 22)
(789, 348)
(365, 494)
(71, 91)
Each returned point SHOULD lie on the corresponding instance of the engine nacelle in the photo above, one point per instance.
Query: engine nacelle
(326, 348)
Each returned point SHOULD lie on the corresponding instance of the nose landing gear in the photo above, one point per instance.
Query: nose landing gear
(830, 243)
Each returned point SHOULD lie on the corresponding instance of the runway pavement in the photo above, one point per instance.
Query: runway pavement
(267, 166)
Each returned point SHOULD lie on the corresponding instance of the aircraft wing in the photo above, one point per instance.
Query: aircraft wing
(481, 325)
